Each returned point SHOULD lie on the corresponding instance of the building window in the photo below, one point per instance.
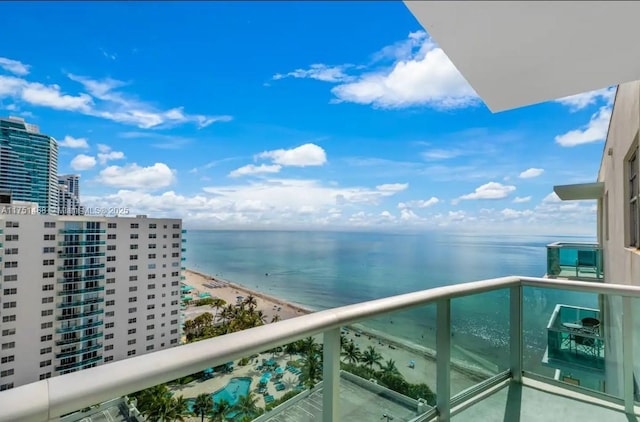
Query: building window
(49, 237)
(11, 237)
(108, 358)
(111, 236)
(634, 223)
(46, 312)
(8, 318)
(45, 350)
(6, 373)
(12, 224)
(49, 225)
(45, 376)
(48, 249)
(8, 332)
(7, 359)
(111, 247)
(11, 291)
(108, 347)
(112, 226)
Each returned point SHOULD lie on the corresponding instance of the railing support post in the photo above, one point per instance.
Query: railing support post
(443, 359)
(331, 375)
(627, 354)
(515, 333)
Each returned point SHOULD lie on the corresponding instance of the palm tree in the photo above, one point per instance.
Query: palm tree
(291, 349)
(251, 301)
(203, 405)
(178, 409)
(309, 344)
(275, 318)
(351, 353)
(247, 405)
(150, 401)
(220, 410)
(217, 304)
(390, 368)
(371, 357)
(311, 368)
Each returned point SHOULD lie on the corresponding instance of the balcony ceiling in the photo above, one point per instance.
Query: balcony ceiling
(516, 53)
(580, 191)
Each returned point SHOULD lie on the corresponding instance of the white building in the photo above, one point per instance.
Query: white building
(69, 194)
(79, 291)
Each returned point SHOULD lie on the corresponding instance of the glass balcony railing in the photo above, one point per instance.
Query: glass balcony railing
(80, 302)
(71, 292)
(80, 254)
(78, 364)
(80, 315)
(81, 267)
(575, 261)
(474, 350)
(81, 242)
(81, 231)
(79, 351)
(79, 327)
(81, 279)
(77, 339)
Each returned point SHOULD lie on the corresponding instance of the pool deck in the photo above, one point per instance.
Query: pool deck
(219, 381)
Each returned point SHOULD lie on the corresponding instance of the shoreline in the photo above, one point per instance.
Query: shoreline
(473, 373)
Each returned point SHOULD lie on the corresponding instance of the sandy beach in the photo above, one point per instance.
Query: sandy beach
(424, 370)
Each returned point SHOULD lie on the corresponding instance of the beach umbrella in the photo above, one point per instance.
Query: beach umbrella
(279, 370)
(208, 371)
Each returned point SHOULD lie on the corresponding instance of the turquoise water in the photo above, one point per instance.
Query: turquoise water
(235, 388)
(320, 270)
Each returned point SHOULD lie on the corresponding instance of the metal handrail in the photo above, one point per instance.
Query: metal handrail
(51, 398)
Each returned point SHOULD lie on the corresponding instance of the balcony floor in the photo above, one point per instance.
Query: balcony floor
(524, 403)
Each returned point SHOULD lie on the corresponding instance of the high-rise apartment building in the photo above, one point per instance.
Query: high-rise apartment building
(79, 291)
(29, 164)
(69, 194)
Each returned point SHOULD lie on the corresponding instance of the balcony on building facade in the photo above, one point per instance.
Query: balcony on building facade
(576, 345)
(80, 314)
(97, 346)
(575, 261)
(81, 242)
(81, 279)
(82, 231)
(79, 327)
(79, 291)
(83, 254)
(513, 390)
(77, 339)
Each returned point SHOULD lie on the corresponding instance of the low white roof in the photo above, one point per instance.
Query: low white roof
(516, 53)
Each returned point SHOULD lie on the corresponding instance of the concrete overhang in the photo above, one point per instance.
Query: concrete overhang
(516, 53)
(580, 191)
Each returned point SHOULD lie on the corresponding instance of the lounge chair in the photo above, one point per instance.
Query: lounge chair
(269, 399)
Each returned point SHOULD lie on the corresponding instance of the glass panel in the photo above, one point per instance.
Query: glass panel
(573, 337)
(389, 367)
(479, 338)
(578, 261)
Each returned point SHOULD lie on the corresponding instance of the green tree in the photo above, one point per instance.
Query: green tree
(247, 405)
(371, 357)
(203, 405)
(311, 368)
(351, 353)
(389, 367)
(220, 410)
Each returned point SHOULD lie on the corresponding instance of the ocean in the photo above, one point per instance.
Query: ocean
(320, 270)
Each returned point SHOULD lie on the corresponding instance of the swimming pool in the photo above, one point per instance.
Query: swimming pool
(235, 388)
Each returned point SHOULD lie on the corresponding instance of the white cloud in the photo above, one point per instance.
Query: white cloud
(551, 198)
(408, 215)
(14, 66)
(302, 156)
(392, 187)
(321, 72)
(580, 101)
(420, 203)
(420, 75)
(106, 154)
(102, 99)
(424, 77)
(51, 96)
(594, 131)
(250, 169)
(134, 176)
(521, 199)
(531, 173)
(509, 213)
(71, 142)
(83, 162)
(491, 190)
(442, 154)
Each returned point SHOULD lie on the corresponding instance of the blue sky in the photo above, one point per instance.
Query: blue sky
(290, 115)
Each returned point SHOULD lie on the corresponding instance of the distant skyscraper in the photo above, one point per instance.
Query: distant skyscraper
(28, 164)
(69, 194)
